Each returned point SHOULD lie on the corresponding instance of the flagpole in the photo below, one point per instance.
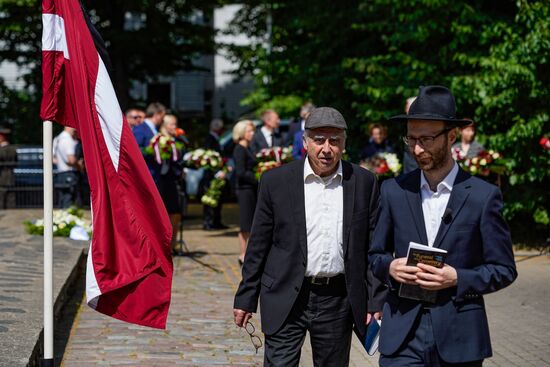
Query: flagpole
(47, 360)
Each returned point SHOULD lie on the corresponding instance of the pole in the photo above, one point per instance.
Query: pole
(47, 360)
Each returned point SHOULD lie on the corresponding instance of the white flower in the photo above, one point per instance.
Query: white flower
(392, 161)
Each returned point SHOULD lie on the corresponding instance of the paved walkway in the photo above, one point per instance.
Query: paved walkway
(201, 332)
(21, 283)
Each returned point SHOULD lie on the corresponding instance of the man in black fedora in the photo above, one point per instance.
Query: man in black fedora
(442, 206)
(306, 258)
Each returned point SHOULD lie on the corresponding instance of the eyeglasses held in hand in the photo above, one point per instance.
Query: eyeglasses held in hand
(255, 339)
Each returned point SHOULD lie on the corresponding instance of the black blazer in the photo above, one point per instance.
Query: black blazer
(276, 256)
(213, 143)
(258, 141)
(479, 248)
(245, 162)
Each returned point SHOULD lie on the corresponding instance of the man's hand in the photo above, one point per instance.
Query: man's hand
(241, 317)
(370, 315)
(403, 273)
(434, 279)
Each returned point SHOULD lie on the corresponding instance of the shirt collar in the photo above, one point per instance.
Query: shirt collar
(151, 125)
(266, 131)
(215, 135)
(308, 172)
(447, 182)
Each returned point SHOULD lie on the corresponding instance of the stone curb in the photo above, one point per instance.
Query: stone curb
(64, 295)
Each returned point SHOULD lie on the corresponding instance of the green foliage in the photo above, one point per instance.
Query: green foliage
(365, 57)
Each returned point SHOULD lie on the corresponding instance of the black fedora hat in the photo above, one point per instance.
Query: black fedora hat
(434, 103)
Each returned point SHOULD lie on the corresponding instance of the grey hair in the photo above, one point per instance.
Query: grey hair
(216, 124)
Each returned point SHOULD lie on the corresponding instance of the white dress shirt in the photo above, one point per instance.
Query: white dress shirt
(435, 203)
(324, 198)
(268, 134)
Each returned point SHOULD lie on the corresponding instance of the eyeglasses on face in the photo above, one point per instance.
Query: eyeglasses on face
(424, 141)
(255, 339)
(133, 117)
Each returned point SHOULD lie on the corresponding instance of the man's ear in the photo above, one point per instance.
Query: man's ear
(452, 135)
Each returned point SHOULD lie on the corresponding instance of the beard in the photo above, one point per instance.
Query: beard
(433, 160)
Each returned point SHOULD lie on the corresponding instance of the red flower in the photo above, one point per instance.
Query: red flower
(544, 143)
(382, 168)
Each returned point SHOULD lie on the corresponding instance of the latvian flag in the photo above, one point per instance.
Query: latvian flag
(129, 269)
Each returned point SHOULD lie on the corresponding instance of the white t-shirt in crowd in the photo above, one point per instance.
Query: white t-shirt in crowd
(64, 146)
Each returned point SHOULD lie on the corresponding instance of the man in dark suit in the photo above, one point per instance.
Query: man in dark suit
(212, 216)
(147, 130)
(442, 206)
(298, 125)
(307, 254)
(268, 136)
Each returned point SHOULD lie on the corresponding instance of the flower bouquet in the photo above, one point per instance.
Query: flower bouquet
(209, 160)
(163, 147)
(383, 164)
(270, 158)
(63, 222)
(204, 158)
(485, 163)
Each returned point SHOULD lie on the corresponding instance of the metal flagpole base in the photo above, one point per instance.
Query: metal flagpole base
(47, 362)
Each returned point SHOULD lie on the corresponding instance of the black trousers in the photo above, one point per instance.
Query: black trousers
(420, 349)
(325, 312)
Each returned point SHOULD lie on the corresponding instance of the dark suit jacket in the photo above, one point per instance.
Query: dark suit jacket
(258, 141)
(294, 127)
(276, 256)
(143, 135)
(213, 143)
(479, 248)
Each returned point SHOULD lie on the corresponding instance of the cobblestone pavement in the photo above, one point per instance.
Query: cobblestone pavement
(201, 332)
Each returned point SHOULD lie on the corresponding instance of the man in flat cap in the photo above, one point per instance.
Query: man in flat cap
(441, 206)
(306, 258)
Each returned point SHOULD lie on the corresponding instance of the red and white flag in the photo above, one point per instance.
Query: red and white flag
(129, 270)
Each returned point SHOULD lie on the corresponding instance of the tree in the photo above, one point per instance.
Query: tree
(145, 40)
(366, 57)
(148, 39)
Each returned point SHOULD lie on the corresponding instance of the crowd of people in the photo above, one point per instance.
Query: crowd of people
(323, 245)
(330, 258)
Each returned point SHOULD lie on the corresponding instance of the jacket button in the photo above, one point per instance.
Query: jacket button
(296, 288)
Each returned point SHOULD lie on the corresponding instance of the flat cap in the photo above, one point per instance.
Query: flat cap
(325, 117)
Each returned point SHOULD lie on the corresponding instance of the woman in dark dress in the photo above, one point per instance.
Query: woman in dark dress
(246, 187)
(170, 174)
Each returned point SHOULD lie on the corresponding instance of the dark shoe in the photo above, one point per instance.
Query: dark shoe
(220, 226)
(208, 228)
